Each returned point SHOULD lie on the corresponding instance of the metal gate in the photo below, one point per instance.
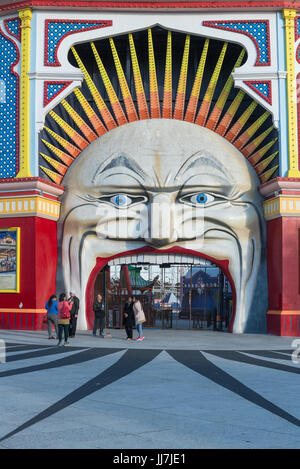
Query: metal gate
(174, 296)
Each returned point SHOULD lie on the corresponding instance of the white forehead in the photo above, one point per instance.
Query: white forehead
(163, 147)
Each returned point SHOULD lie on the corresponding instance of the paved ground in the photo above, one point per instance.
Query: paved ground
(176, 389)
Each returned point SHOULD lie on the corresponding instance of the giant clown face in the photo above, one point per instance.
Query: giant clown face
(165, 184)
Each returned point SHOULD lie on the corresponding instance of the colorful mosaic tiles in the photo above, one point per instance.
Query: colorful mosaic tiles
(9, 112)
(258, 31)
(57, 30)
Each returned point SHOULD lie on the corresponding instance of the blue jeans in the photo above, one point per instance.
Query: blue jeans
(139, 329)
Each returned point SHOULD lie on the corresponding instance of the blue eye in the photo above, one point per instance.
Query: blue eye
(201, 198)
(121, 200)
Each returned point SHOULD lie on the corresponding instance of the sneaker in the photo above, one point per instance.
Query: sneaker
(129, 338)
(66, 344)
(59, 343)
(142, 338)
(138, 339)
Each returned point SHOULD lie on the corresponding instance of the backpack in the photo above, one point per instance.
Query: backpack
(63, 310)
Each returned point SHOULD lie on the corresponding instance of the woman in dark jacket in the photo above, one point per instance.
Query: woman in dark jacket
(98, 308)
(128, 317)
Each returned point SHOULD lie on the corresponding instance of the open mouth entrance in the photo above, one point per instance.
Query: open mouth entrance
(176, 292)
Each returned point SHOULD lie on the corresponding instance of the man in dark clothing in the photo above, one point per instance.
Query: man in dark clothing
(99, 310)
(74, 314)
(128, 317)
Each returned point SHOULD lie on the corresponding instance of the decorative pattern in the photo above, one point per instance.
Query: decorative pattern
(281, 206)
(24, 171)
(297, 27)
(29, 206)
(13, 27)
(262, 88)
(53, 89)
(293, 127)
(9, 107)
(218, 367)
(57, 30)
(228, 119)
(257, 30)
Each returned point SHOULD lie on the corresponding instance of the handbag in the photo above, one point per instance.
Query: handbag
(140, 316)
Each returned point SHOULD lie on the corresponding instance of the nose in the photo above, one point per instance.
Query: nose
(161, 229)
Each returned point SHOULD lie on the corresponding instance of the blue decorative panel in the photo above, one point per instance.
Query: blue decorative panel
(13, 27)
(262, 88)
(52, 89)
(9, 108)
(57, 30)
(257, 30)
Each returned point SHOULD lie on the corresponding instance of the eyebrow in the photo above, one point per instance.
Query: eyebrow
(201, 160)
(119, 161)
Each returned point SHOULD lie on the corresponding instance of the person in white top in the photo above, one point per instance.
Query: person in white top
(139, 317)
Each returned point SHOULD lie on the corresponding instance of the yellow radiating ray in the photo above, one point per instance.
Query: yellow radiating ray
(80, 141)
(138, 82)
(230, 113)
(64, 157)
(167, 99)
(129, 105)
(82, 125)
(264, 177)
(180, 97)
(61, 168)
(91, 114)
(245, 137)
(193, 101)
(222, 99)
(74, 151)
(154, 96)
(206, 103)
(237, 127)
(57, 178)
(252, 146)
(257, 156)
(106, 115)
(260, 167)
(115, 104)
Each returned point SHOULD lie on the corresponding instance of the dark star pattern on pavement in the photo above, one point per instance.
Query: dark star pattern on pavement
(132, 360)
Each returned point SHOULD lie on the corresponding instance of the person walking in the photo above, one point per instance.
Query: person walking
(99, 311)
(139, 317)
(64, 308)
(52, 312)
(128, 317)
(74, 314)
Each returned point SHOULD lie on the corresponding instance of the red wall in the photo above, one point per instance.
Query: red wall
(283, 276)
(38, 259)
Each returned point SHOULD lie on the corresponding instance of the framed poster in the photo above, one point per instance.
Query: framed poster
(9, 260)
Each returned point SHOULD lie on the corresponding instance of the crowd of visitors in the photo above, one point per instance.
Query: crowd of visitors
(62, 316)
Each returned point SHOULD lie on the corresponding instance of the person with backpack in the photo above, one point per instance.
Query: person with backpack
(64, 315)
(52, 312)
